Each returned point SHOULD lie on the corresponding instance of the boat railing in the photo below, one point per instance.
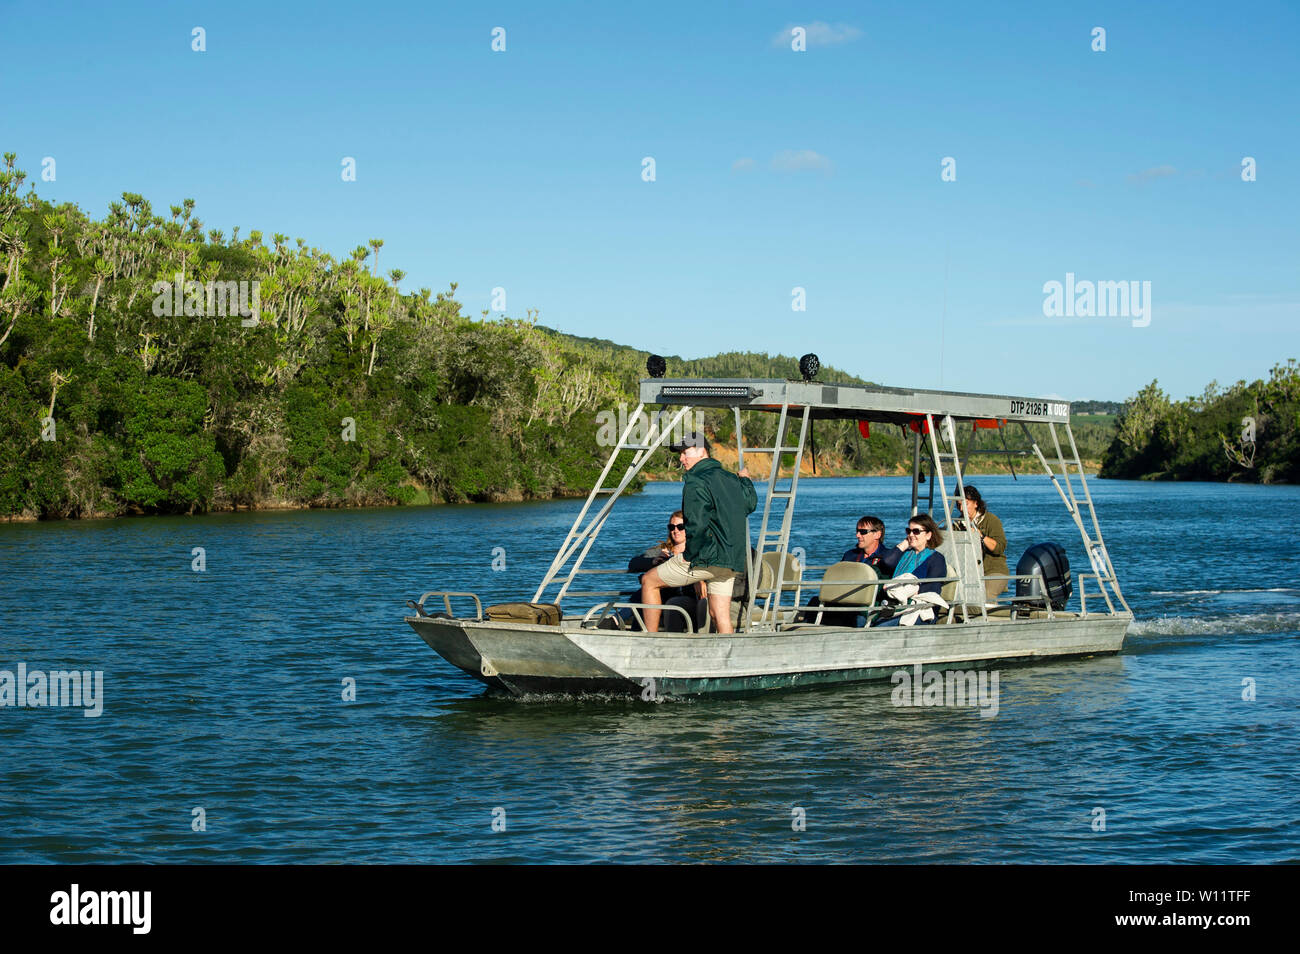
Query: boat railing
(862, 586)
(446, 602)
(1040, 601)
(593, 594)
(870, 610)
(791, 615)
(606, 608)
(1083, 591)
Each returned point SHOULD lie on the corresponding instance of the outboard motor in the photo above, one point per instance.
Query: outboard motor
(1050, 568)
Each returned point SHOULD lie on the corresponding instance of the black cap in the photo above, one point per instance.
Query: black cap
(690, 439)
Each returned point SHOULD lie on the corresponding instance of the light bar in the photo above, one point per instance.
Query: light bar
(709, 391)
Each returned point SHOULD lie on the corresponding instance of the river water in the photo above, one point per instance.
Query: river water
(225, 736)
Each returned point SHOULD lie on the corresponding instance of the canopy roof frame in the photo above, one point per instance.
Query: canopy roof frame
(874, 403)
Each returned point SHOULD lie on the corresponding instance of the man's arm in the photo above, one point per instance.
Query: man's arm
(695, 507)
(747, 486)
(889, 558)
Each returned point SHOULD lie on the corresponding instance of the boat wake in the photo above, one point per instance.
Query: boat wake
(1265, 589)
(1227, 624)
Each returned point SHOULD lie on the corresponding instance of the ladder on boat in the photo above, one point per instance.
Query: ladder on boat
(1070, 467)
(776, 541)
(584, 536)
(1098, 555)
(969, 556)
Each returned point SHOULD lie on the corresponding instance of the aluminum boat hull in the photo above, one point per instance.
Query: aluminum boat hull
(522, 658)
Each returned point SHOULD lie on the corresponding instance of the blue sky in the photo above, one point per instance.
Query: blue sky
(523, 169)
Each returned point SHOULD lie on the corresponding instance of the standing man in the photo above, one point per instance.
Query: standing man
(716, 503)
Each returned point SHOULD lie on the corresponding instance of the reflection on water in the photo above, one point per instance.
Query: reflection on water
(223, 689)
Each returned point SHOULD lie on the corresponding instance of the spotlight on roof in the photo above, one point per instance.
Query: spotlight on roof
(809, 366)
(656, 365)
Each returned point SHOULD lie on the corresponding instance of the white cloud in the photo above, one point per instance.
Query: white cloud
(742, 165)
(819, 33)
(801, 160)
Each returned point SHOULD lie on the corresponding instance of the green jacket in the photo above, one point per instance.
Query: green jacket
(995, 561)
(716, 503)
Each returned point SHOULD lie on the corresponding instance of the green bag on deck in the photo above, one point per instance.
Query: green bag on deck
(547, 614)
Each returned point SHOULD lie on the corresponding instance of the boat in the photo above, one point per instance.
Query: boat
(570, 640)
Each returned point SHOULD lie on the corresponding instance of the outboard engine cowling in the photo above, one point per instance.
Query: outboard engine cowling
(1050, 568)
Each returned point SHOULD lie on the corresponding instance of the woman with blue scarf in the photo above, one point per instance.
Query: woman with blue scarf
(918, 554)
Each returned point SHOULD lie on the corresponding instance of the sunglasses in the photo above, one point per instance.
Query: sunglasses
(915, 531)
(867, 530)
(676, 526)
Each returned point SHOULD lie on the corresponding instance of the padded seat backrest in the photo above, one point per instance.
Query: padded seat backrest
(963, 556)
(849, 583)
(792, 571)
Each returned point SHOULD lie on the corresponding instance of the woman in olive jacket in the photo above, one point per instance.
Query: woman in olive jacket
(994, 540)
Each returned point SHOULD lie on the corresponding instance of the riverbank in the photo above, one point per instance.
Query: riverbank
(758, 465)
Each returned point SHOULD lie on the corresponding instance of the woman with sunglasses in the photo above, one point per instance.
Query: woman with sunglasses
(690, 598)
(918, 554)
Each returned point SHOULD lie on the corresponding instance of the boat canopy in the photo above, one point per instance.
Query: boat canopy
(930, 416)
(871, 402)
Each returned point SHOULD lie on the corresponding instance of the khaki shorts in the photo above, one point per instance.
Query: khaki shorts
(719, 579)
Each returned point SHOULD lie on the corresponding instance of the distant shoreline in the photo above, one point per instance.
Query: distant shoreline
(280, 505)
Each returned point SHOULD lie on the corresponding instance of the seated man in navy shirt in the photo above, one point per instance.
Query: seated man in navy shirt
(870, 549)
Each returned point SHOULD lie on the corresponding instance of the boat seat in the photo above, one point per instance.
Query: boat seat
(766, 574)
(791, 572)
(964, 558)
(848, 584)
(847, 589)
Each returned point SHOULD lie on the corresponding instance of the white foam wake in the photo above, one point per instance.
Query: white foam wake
(1222, 625)
(1266, 589)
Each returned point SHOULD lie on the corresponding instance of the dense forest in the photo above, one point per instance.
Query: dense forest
(1248, 432)
(137, 375)
(150, 365)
